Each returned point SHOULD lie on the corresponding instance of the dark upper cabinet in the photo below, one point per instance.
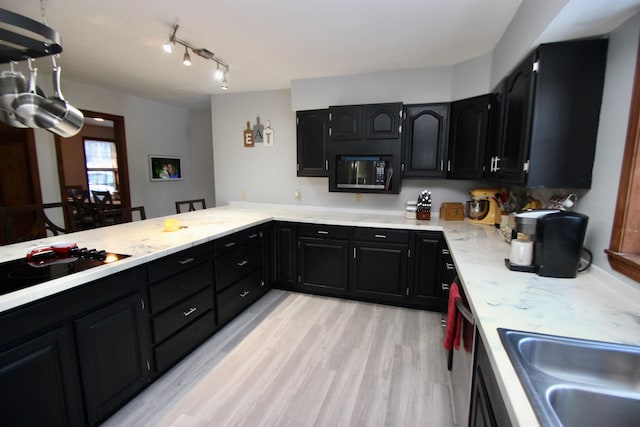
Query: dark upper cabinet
(311, 136)
(383, 121)
(426, 128)
(365, 122)
(494, 137)
(469, 119)
(346, 122)
(518, 104)
(549, 119)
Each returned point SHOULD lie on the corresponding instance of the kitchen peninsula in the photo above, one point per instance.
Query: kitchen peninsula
(591, 306)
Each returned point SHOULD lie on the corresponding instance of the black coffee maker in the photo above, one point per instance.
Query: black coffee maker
(558, 243)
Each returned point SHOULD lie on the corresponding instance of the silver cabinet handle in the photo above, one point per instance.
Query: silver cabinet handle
(189, 312)
(244, 294)
(449, 266)
(186, 261)
(230, 244)
(242, 263)
(252, 236)
(445, 252)
(322, 232)
(445, 286)
(379, 236)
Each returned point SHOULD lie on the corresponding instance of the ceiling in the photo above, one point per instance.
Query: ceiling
(117, 44)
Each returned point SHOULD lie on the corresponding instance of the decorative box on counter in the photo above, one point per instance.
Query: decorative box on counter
(451, 211)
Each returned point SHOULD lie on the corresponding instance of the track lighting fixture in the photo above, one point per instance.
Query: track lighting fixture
(186, 59)
(221, 67)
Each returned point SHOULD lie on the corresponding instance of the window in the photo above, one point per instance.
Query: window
(624, 249)
(102, 165)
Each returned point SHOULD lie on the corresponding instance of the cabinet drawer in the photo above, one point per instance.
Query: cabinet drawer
(183, 342)
(323, 231)
(174, 264)
(238, 296)
(182, 314)
(227, 244)
(171, 290)
(381, 235)
(250, 235)
(233, 266)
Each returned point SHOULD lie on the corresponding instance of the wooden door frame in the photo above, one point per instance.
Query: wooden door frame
(121, 147)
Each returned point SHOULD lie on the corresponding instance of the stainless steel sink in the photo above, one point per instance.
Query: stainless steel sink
(573, 382)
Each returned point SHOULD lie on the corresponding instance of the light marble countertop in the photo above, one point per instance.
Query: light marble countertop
(592, 306)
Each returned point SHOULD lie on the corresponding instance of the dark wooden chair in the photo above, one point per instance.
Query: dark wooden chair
(84, 214)
(191, 204)
(120, 215)
(28, 222)
(104, 203)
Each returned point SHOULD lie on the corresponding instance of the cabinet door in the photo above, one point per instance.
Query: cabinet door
(268, 257)
(519, 88)
(425, 287)
(487, 405)
(425, 139)
(468, 138)
(311, 135)
(39, 383)
(383, 121)
(379, 271)
(495, 131)
(113, 347)
(285, 254)
(323, 265)
(345, 122)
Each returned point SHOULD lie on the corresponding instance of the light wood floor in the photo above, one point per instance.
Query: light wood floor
(301, 360)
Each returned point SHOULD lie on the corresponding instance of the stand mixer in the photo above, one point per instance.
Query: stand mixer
(483, 209)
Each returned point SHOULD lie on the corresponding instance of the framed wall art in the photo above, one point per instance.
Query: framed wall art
(165, 168)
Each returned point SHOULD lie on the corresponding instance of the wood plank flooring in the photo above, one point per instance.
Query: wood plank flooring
(301, 360)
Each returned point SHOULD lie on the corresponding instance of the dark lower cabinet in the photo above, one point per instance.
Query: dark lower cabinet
(268, 256)
(323, 265)
(113, 345)
(487, 405)
(379, 271)
(39, 382)
(286, 245)
(425, 287)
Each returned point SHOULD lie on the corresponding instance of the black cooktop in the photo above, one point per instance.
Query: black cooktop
(20, 274)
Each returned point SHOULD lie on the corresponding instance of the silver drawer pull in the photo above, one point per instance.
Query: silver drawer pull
(322, 232)
(252, 236)
(445, 286)
(379, 236)
(450, 266)
(242, 263)
(186, 261)
(189, 312)
(244, 294)
(230, 244)
(445, 252)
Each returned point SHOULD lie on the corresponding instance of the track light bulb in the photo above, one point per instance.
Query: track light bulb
(186, 59)
(168, 47)
(224, 86)
(218, 74)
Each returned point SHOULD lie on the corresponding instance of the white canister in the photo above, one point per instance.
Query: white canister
(521, 252)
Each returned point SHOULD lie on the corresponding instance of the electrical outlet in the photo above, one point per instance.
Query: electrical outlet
(358, 198)
(244, 195)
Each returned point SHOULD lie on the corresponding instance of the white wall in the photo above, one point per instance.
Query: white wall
(151, 128)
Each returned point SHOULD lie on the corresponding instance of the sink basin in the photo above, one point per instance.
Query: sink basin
(573, 382)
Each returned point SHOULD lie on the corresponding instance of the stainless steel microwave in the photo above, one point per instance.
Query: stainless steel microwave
(367, 172)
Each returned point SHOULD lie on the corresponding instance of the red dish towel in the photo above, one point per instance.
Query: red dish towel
(454, 320)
